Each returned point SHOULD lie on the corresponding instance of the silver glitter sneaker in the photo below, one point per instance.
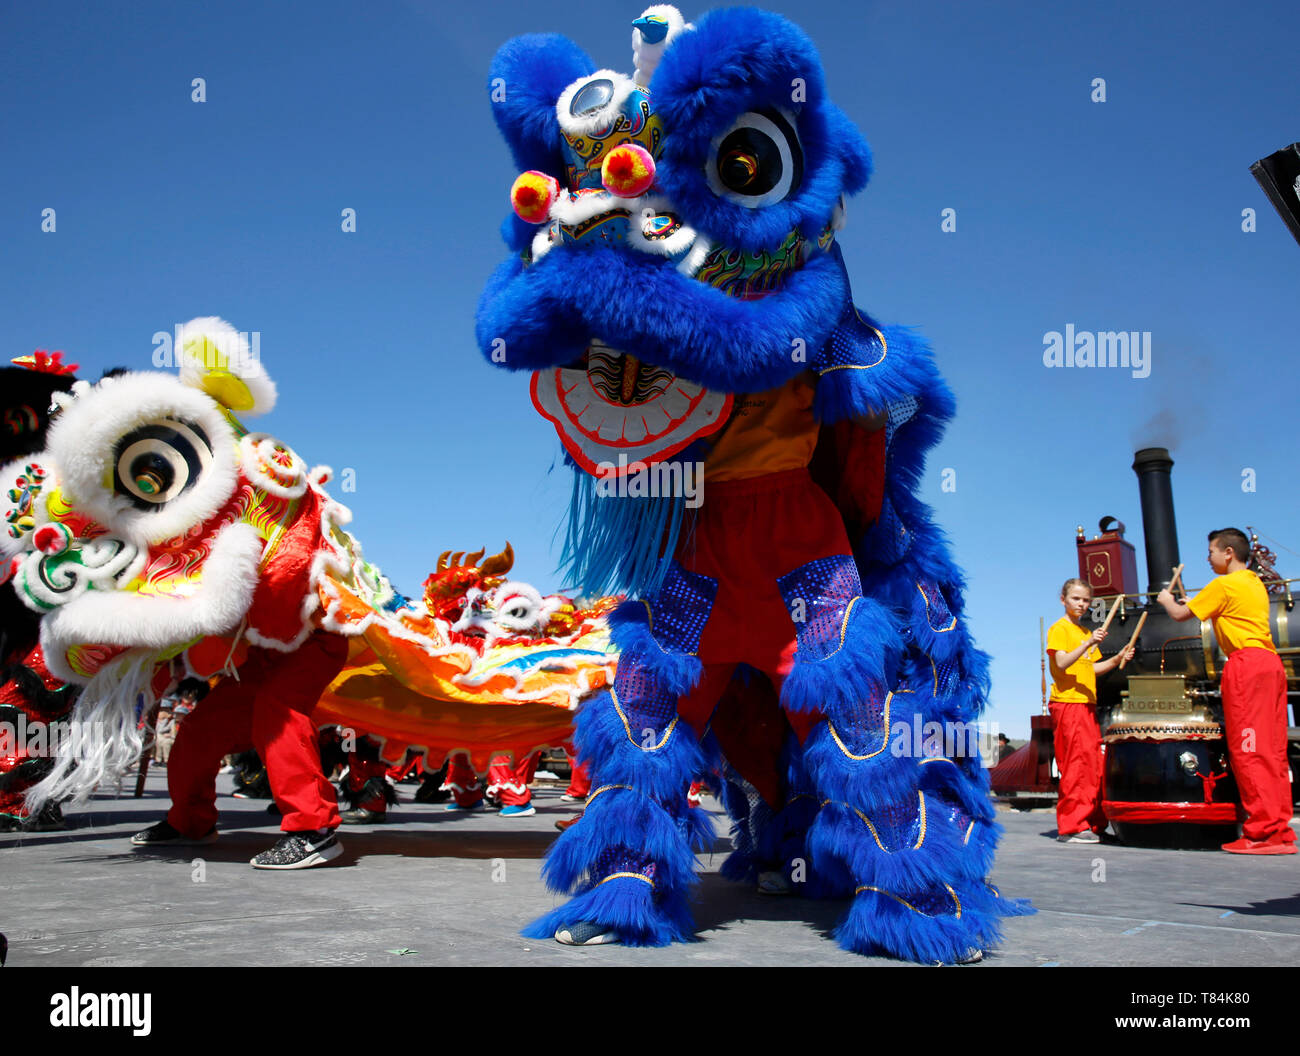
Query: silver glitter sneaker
(299, 850)
(586, 933)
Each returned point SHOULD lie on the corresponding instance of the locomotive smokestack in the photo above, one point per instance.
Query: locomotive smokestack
(1152, 466)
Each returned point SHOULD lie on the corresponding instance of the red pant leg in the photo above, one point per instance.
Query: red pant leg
(1078, 757)
(462, 782)
(222, 724)
(579, 779)
(511, 780)
(1254, 714)
(286, 687)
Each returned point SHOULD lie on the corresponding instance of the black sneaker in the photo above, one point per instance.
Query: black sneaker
(300, 850)
(162, 835)
(362, 816)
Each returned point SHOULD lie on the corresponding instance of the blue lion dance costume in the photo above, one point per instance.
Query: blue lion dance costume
(746, 445)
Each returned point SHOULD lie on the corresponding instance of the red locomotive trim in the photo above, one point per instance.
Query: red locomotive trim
(1156, 813)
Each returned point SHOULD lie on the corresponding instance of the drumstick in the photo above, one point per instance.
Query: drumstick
(1136, 631)
(1111, 615)
(1177, 572)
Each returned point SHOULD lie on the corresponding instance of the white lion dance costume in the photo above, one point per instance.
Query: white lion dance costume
(158, 539)
(677, 291)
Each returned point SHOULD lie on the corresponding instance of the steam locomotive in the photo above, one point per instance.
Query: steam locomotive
(1166, 777)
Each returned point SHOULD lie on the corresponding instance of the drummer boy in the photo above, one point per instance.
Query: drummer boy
(1076, 662)
(1254, 692)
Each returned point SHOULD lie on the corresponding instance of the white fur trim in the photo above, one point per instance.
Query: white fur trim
(83, 441)
(124, 618)
(241, 360)
(589, 123)
(256, 451)
(645, 56)
(694, 260)
(102, 738)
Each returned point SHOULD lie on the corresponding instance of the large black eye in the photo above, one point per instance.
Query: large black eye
(20, 419)
(592, 96)
(758, 161)
(158, 461)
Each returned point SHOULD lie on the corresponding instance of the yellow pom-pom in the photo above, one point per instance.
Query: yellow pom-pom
(532, 196)
(628, 171)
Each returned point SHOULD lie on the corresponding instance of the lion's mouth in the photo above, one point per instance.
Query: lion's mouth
(615, 411)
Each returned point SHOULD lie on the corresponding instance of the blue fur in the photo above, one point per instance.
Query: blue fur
(624, 817)
(527, 76)
(641, 916)
(603, 743)
(878, 924)
(630, 633)
(864, 666)
(546, 313)
(740, 59)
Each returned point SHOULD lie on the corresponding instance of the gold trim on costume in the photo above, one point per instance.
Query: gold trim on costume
(875, 835)
(628, 729)
(884, 741)
(937, 630)
(969, 829)
(628, 876)
(607, 788)
(881, 891)
(884, 350)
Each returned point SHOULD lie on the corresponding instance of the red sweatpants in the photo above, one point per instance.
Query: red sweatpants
(1078, 756)
(1254, 719)
(268, 708)
(579, 778)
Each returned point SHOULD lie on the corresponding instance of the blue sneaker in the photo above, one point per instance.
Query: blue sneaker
(523, 810)
(453, 805)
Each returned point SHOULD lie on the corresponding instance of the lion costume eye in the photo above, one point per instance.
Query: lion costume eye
(21, 419)
(758, 161)
(157, 461)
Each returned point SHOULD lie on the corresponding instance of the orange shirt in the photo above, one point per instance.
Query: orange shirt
(769, 432)
(1237, 602)
(1078, 682)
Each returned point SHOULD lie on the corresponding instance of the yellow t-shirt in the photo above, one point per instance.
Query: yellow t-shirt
(1237, 602)
(1078, 682)
(769, 432)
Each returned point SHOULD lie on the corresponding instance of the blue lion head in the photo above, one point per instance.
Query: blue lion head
(721, 264)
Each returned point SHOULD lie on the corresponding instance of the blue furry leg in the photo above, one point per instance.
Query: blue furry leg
(630, 863)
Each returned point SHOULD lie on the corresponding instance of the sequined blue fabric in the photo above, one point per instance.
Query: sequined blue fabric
(817, 596)
(681, 607)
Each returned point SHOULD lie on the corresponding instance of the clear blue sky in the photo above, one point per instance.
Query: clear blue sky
(1122, 215)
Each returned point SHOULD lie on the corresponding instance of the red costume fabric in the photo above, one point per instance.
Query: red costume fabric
(1254, 719)
(462, 782)
(267, 708)
(1078, 757)
(361, 768)
(510, 780)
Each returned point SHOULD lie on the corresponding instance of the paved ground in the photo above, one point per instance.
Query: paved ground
(455, 889)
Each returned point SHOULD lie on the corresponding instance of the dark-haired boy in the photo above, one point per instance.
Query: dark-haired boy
(1254, 692)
